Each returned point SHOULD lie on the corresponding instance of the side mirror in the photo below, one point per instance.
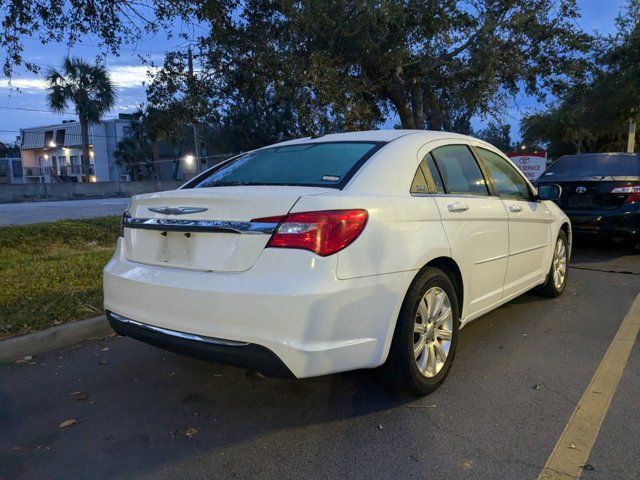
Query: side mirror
(549, 192)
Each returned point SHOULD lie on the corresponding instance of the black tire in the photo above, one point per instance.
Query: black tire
(401, 366)
(549, 288)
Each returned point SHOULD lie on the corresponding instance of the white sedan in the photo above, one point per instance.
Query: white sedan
(335, 253)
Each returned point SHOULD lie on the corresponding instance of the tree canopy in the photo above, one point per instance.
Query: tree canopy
(272, 69)
(592, 114)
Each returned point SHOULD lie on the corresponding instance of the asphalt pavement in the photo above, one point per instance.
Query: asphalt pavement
(142, 413)
(35, 212)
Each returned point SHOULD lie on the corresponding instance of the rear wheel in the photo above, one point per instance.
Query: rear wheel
(426, 335)
(557, 276)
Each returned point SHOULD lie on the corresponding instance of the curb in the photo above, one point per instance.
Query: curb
(54, 338)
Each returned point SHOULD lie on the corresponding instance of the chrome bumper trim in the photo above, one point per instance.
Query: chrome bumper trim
(175, 225)
(174, 333)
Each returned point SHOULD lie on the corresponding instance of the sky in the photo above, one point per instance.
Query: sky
(25, 104)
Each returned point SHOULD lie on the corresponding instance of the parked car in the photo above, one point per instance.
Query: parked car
(600, 193)
(343, 252)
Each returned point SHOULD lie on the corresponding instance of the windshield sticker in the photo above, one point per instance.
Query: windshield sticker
(330, 178)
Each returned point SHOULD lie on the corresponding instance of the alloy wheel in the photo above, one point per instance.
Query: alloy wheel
(433, 331)
(559, 264)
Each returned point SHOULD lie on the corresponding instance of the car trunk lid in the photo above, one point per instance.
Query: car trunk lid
(608, 193)
(206, 229)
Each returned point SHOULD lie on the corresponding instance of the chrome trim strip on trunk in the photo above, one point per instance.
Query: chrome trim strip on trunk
(175, 225)
(174, 333)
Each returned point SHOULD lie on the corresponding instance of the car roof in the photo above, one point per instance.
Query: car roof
(600, 154)
(375, 136)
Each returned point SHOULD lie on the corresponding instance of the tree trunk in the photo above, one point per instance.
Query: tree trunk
(86, 158)
(397, 95)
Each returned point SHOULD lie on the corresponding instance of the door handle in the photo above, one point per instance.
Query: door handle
(515, 208)
(458, 207)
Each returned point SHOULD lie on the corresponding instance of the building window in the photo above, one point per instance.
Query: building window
(48, 138)
(60, 134)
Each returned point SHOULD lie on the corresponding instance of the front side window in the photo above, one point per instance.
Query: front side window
(506, 180)
(460, 171)
(329, 164)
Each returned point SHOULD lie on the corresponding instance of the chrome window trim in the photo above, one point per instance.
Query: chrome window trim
(174, 333)
(182, 225)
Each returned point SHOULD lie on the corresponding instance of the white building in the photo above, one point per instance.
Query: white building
(53, 153)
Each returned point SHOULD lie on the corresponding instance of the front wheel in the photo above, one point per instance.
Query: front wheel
(557, 276)
(426, 335)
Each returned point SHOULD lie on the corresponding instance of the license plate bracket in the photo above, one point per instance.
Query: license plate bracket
(175, 248)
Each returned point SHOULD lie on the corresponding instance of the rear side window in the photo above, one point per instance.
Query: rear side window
(459, 170)
(427, 178)
(506, 180)
(329, 164)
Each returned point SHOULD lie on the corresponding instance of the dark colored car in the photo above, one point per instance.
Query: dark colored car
(600, 193)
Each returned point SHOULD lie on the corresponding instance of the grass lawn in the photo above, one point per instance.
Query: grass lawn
(51, 273)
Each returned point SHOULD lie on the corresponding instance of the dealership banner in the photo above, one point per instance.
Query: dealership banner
(531, 164)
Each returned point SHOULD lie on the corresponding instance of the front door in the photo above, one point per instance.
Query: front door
(529, 224)
(476, 225)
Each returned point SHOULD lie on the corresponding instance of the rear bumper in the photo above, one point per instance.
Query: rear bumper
(241, 354)
(289, 304)
(624, 223)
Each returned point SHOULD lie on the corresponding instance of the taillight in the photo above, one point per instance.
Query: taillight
(633, 193)
(125, 215)
(325, 232)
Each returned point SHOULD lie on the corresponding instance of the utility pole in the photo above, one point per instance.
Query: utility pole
(631, 143)
(192, 100)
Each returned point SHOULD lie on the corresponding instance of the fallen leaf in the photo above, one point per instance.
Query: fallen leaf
(105, 349)
(79, 396)
(191, 432)
(588, 467)
(68, 423)
(572, 446)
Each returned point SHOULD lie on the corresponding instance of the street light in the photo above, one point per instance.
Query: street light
(52, 144)
(189, 159)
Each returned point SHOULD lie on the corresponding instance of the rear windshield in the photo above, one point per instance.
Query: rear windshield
(581, 166)
(312, 164)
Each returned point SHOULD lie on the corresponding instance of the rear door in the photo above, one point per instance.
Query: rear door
(475, 223)
(529, 223)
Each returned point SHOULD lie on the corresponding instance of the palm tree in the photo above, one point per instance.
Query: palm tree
(90, 90)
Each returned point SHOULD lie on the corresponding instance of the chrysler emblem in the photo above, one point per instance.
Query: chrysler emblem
(581, 189)
(177, 210)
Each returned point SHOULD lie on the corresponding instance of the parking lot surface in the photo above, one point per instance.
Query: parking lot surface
(519, 373)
